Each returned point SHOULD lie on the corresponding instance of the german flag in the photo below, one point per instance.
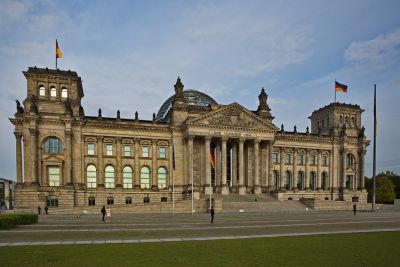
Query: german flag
(340, 87)
(58, 51)
(212, 158)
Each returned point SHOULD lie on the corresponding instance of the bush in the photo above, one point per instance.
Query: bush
(8, 221)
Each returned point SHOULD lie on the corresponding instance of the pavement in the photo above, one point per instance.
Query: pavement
(140, 228)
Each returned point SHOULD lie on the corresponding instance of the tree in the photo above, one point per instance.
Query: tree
(385, 190)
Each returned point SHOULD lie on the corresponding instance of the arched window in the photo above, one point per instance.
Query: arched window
(312, 180)
(346, 120)
(162, 178)
(53, 92)
(353, 121)
(110, 177)
(64, 93)
(300, 179)
(324, 181)
(275, 179)
(91, 177)
(145, 177)
(42, 90)
(350, 160)
(127, 174)
(54, 175)
(53, 145)
(287, 180)
(341, 119)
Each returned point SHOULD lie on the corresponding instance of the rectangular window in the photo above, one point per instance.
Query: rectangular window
(312, 159)
(127, 151)
(275, 158)
(54, 176)
(325, 160)
(162, 153)
(110, 201)
(288, 158)
(90, 149)
(1, 185)
(145, 151)
(92, 201)
(52, 202)
(300, 159)
(109, 150)
(128, 200)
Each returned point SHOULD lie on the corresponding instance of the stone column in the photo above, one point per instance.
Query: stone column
(281, 174)
(33, 134)
(100, 166)
(242, 187)
(319, 171)
(218, 168)
(294, 175)
(344, 170)
(306, 170)
(225, 190)
(270, 166)
(136, 180)
(68, 161)
(154, 184)
(362, 160)
(18, 153)
(234, 164)
(190, 159)
(207, 167)
(118, 163)
(333, 177)
(257, 189)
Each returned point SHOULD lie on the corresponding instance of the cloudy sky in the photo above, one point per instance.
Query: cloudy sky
(129, 54)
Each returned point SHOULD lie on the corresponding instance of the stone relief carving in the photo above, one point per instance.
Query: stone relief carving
(232, 119)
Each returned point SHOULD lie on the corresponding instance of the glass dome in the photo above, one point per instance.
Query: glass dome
(192, 97)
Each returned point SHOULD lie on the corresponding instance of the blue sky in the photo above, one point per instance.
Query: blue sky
(129, 54)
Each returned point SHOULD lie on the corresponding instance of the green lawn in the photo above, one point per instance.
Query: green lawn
(362, 249)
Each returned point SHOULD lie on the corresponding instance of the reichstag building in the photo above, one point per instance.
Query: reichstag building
(192, 147)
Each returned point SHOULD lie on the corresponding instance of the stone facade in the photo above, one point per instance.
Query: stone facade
(66, 159)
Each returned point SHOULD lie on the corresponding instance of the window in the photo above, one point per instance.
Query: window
(275, 179)
(91, 179)
(54, 176)
(90, 149)
(275, 158)
(110, 177)
(353, 121)
(164, 199)
(109, 150)
(349, 160)
(346, 120)
(324, 181)
(42, 91)
(312, 159)
(51, 201)
(162, 178)
(341, 119)
(145, 151)
(53, 145)
(349, 182)
(300, 159)
(312, 180)
(64, 93)
(127, 175)
(287, 180)
(146, 200)
(145, 177)
(325, 160)
(127, 150)
(162, 152)
(91, 201)
(53, 92)
(128, 200)
(110, 200)
(300, 179)
(288, 158)
(1, 185)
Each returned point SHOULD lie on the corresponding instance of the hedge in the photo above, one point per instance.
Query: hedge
(8, 221)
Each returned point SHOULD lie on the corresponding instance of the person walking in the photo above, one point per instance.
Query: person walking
(103, 211)
(39, 209)
(354, 208)
(46, 210)
(212, 212)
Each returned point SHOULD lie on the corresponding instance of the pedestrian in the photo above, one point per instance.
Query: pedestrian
(212, 212)
(39, 209)
(46, 210)
(103, 211)
(354, 208)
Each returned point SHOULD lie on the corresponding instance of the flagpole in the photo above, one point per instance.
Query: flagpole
(56, 54)
(374, 156)
(334, 90)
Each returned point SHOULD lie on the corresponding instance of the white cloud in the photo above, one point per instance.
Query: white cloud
(13, 11)
(382, 47)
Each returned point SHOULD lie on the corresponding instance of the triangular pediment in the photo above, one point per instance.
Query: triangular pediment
(233, 115)
(52, 158)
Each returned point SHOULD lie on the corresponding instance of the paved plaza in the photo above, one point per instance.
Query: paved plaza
(136, 228)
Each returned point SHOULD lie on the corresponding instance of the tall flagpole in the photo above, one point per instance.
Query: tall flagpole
(56, 54)
(374, 156)
(334, 90)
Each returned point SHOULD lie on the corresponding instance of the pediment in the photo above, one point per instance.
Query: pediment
(53, 158)
(232, 116)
